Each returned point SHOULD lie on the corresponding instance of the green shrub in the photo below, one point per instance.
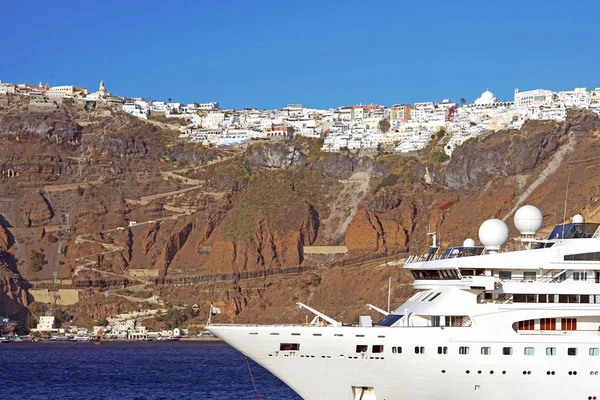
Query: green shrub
(439, 157)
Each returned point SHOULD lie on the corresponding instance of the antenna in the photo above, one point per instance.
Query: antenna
(389, 293)
(566, 200)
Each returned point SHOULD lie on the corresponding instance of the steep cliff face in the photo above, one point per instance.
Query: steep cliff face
(377, 232)
(57, 127)
(36, 210)
(251, 214)
(174, 244)
(504, 154)
(13, 296)
(279, 155)
(266, 249)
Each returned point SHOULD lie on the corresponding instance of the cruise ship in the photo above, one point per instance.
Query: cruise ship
(494, 321)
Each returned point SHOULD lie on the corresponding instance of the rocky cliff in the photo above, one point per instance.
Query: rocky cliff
(120, 202)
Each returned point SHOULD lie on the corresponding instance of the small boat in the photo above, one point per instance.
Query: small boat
(97, 342)
(4, 339)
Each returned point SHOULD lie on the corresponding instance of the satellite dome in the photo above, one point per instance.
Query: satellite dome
(528, 220)
(469, 243)
(578, 219)
(493, 233)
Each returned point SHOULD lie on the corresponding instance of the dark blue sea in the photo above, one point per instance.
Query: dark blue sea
(132, 371)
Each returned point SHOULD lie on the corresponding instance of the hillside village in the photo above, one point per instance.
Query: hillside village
(403, 128)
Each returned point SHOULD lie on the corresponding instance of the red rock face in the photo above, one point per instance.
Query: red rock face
(36, 210)
(13, 297)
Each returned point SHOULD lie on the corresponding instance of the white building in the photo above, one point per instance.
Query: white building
(533, 98)
(7, 88)
(46, 324)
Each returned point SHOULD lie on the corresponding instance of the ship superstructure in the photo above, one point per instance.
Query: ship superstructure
(488, 322)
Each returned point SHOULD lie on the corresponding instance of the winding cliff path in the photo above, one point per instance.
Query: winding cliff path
(177, 174)
(553, 164)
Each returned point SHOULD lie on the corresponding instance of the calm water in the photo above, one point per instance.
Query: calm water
(128, 371)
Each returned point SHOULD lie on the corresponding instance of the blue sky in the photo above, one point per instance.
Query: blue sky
(266, 54)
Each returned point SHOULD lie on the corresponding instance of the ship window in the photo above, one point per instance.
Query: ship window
(550, 351)
(435, 320)
(442, 350)
(572, 351)
(505, 274)
(575, 276)
(317, 334)
(377, 348)
(568, 324)
(573, 298)
(394, 351)
(519, 298)
(563, 298)
(464, 350)
(486, 351)
(528, 325)
(542, 298)
(583, 257)
(295, 334)
(507, 351)
(594, 351)
(338, 334)
(529, 275)
(419, 350)
(548, 324)
(531, 298)
(426, 297)
(529, 351)
(362, 348)
(584, 298)
(434, 297)
(289, 346)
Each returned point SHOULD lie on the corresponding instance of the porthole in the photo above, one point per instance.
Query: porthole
(574, 372)
(468, 372)
(552, 372)
(570, 372)
(443, 371)
(503, 372)
(491, 372)
(524, 372)
(547, 372)
(479, 372)
(528, 372)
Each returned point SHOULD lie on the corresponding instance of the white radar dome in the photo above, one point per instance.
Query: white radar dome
(469, 243)
(578, 219)
(528, 220)
(493, 233)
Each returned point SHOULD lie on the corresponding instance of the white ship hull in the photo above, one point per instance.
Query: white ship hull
(328, 367)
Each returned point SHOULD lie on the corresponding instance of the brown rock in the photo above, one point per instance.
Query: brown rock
(36, 210)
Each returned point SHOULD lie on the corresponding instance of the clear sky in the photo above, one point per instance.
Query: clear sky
(266, 54)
